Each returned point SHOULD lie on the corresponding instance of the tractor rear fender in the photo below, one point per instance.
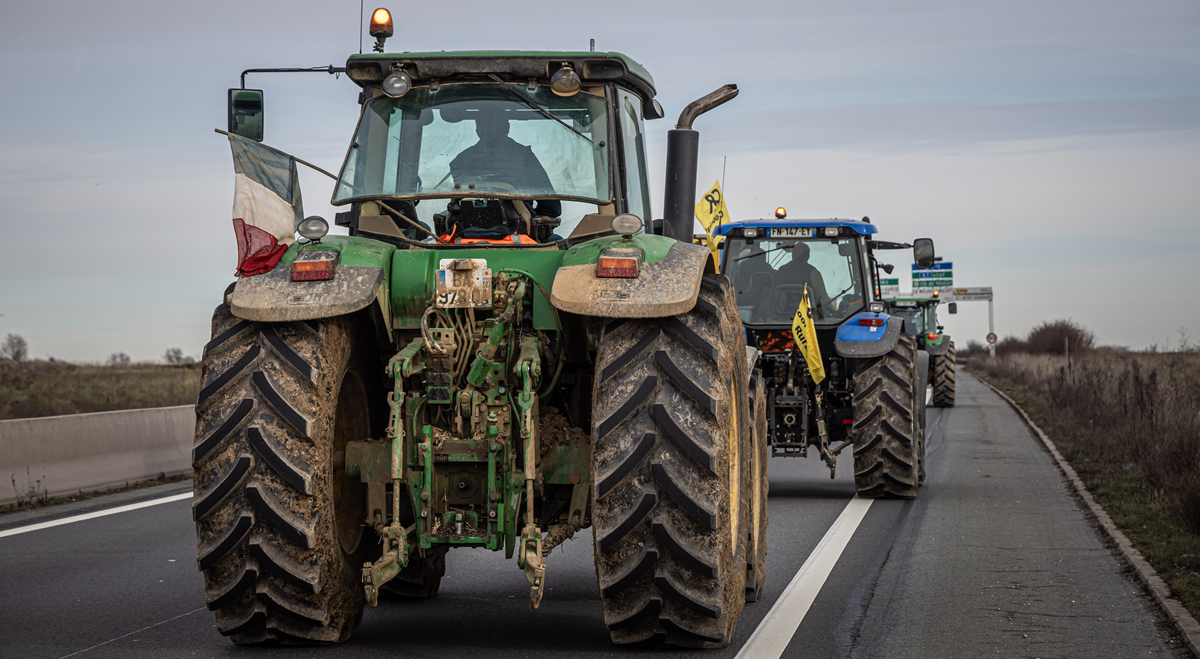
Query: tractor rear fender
(939, 348)
(856, 340)
(360, 279)
(667, 284)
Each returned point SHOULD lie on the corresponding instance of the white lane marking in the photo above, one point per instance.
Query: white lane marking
(774, 633)
(182, 615)
(93, 515)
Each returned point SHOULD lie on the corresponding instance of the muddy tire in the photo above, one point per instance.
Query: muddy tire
(943, 368)
(671, 500)
(886, 442)
(421, 578)
(756, 554)
(279, 532)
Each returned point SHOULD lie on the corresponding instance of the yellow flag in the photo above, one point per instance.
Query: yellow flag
(712, 213)
(805, 334)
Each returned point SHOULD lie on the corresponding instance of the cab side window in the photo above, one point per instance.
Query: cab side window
(633, 143)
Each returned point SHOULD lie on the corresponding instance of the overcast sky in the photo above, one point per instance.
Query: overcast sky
(1051, 149)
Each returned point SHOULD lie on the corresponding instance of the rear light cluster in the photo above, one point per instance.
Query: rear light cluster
(619, 262)
(315, 265)
(932, 337)
(871, 322)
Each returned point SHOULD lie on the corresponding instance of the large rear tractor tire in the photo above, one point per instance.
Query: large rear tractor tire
(280, 532)
(943, 369)
(756, 554)
(671, 467)
(885, 430)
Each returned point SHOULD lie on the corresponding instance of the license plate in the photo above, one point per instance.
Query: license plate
(463, 284)
(790, 232)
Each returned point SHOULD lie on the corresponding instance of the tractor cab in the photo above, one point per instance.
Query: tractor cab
(772, 264)
(510, 148)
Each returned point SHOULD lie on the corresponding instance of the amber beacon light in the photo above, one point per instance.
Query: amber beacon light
(381, 23)
(780, 213)
(381, 27)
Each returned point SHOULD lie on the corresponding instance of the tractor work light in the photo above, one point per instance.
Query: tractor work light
(877, 307)
(871, 322)
(565, 82)
(619, 262)
(313, 228)
(749, 232)
(315, 266)
(627, 224)
(381, 24)
(831, 232)
(397, 84)
(780, 213)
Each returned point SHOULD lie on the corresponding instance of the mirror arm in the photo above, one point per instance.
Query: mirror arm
(331, 70)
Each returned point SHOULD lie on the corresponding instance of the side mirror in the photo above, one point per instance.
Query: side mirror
(653, 110)
(953, 307)
(246, 113)
(923, 254)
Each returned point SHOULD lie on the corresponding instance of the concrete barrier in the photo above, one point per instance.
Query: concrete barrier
(94, 451)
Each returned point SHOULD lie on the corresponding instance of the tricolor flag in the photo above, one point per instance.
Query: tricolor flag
(266, 204)
(805, 334)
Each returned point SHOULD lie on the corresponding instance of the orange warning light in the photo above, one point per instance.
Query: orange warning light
(780, 213)
(381, 23)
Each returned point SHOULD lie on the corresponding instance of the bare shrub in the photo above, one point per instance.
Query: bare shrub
(14, 348)
(1052, 338)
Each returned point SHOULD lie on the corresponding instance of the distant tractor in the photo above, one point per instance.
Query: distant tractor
(920, 316)
(872, 395)
(498, 356)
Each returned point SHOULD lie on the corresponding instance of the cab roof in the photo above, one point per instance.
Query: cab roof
(858, 226)
(517, 65)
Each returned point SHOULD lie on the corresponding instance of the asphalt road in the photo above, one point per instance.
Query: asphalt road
(995, 558)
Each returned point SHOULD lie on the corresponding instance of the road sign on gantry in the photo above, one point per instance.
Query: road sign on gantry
(971, 294)
(889, 288)
(939, 277)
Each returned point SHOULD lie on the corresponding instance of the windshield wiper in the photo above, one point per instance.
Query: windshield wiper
(534, 106)
(766, 251)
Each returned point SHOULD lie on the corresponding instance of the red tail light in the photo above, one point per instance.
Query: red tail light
(315, 266)
(932, 337)
(619, 262)
(871, 322)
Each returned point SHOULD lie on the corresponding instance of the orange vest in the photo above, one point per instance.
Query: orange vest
(511, 239)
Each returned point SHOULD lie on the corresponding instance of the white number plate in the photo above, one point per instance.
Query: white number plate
(463, 284)
(790, 232)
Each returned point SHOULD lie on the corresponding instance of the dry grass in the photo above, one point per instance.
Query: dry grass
(1129, 423)
(44, 388)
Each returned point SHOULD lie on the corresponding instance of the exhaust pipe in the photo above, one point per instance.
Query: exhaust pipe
(683, 151)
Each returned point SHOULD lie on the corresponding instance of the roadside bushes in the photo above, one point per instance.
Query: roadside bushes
(1137, 410)
(47, 388)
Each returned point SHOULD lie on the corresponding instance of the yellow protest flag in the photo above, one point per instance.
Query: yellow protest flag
(712, 213)
(805, 335)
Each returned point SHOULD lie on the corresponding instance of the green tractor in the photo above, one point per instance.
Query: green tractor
(541, 367)
(920, 321)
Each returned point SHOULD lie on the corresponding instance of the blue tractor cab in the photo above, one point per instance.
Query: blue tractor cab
(872, 396)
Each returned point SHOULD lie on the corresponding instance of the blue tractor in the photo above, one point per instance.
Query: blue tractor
(872, 397)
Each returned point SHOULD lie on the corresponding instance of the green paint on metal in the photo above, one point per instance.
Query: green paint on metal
(354, 250)
(654, 248)
(412, 277)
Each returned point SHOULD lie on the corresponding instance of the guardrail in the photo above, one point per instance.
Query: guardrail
(61, 455)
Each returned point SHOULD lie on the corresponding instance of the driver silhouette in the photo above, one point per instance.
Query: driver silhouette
(498, 158)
